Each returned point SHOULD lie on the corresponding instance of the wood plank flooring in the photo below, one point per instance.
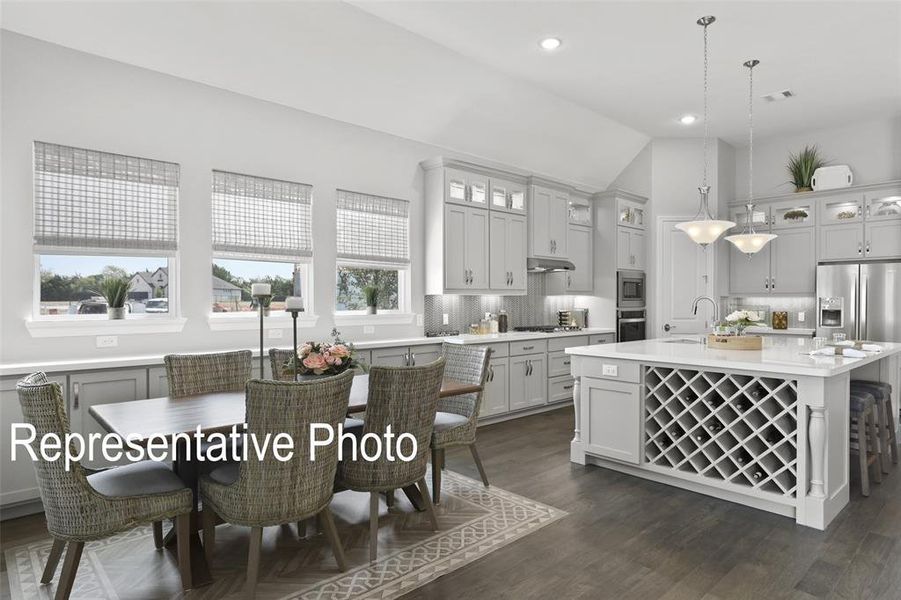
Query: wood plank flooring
(629, 538)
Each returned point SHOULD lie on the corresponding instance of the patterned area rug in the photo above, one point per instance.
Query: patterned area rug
(474, 522)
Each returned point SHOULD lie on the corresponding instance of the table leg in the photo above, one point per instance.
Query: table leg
(415, 497)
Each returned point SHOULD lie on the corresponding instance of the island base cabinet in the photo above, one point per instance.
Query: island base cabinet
(494, 398)
(528, 381)
(611, 419)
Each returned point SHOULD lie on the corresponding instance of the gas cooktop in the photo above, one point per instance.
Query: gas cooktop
(546, 328)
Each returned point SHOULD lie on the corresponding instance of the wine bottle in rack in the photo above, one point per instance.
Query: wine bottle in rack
(743, 458)
(758, 475)
(675, 432)
(740, 405)
(756, 392)
(701, 436)
(715, 428)
(770, 435)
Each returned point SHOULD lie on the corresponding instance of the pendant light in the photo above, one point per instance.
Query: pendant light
(704, 228)
(750, 242)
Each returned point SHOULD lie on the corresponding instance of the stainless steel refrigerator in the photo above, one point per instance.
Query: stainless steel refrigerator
(863, 301)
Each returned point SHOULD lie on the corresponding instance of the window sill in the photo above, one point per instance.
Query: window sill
(224, 322)
(50, 328)
(376, 319)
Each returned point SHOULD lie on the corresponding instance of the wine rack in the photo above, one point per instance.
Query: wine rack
(735, 428)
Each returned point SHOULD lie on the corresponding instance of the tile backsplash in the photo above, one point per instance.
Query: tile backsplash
(535, 308)
(793, 305)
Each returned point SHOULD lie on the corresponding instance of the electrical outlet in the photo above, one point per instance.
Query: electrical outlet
(801, 317)
(610, 370)
(419, 320)
(107, 341)
(275, 334)
(445, 319)
(368, 329)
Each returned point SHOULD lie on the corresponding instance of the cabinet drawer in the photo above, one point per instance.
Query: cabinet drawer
(558, 363)
(560, 389)
(601, 338)
(499, 350)
(528, 347)
(570, 341)
(612, 369)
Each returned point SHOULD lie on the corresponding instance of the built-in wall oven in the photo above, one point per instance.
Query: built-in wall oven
(630, 324)
(630, 289)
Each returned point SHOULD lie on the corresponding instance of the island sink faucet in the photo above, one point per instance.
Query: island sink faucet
(716, 307)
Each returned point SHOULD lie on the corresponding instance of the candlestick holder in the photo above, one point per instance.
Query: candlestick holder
(263, 303)
(294, 312)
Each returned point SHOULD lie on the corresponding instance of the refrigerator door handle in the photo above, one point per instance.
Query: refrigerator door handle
(862, 307)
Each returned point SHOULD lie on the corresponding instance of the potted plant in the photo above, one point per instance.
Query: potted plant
(115, 291)
(371, 295)
(802, 165)
(739, 320)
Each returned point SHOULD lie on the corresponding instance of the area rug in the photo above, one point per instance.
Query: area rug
(474, 521)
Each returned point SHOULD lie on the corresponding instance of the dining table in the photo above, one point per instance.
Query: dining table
(218, 412)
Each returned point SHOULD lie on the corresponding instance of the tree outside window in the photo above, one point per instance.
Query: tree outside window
(351, 281)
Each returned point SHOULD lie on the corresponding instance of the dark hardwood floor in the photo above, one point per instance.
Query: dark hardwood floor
(629, 538)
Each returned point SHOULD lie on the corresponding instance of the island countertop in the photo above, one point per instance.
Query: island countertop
(785, 359)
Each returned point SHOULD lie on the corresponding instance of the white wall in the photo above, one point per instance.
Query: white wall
(636, 177)
(58, 95)
(871, 148)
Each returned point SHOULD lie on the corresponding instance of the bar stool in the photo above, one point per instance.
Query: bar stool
(864, 437)
(885, 418)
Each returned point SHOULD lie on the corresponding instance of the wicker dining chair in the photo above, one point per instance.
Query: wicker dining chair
(262, 493)
(404, 398)
(191, 374)
(81, 506)
(278, 358)
(458, 416)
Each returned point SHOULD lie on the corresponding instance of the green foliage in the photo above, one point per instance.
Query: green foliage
(801, 166)
(350, 284)
(115, 290)
(371, 295)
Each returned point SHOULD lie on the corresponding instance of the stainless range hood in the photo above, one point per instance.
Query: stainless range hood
(548, 265)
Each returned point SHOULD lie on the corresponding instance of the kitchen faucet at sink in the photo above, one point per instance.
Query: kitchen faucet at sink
(716, 307)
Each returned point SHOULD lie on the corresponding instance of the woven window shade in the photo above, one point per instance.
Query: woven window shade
(373, 228)
(98, 200)
(256, 217)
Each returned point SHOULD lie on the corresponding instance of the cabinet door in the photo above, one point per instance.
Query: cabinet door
(517, 247)
(841, 242)
(494, 399)
(611, 419)
(425, 354)
(636, 245)
(582, 279)
(158, 382)
(17, 477)
(761, 218)
(793, 262)
(790, 214)
(527, 381)
(455, 186)
(623, 248)
(536, 384)
(391, 357)
(749, 274)
(455, 274)
(630, 214)
(883, 239)
(478, 190)
(477, 247)
(882, 205)
(539, 224)
(842, 209)
(558, 224)
(105, 387)
(498, 271)
(507, 195)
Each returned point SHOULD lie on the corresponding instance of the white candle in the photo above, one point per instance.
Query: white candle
(294, 303)
(260, 289)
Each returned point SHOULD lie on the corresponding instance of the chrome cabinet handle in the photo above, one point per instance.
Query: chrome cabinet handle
(490, 373)
(569, 281)
(406, 360)
(75, 398)
(773, 283)
(566, 362)
(567, 387)
(859, 209)
(412, 359)
(868, 247)
(859, 249)
(528, 347)
(766, 283)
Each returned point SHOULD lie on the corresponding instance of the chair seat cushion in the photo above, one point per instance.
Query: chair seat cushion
(446, 420)
(136, 479)
(354, 426)
(861, 400)
(226, 474)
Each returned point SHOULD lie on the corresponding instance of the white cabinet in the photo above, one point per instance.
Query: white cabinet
(841, 242)
(630, 213)
(548, 218)
(749, 274)
(495, 399)
(611, 419)
(786, 265)
(425, 354)
(507, 195)
(158, 382)
(462, 187)
(581, 280)
(883, 239)
(507, 252)
(601, 338)
(630, 248)
(406, 356)
(465, 248)
(527, 381)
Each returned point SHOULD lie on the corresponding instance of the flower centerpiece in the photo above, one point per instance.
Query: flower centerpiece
(742, 319)
(325, 358)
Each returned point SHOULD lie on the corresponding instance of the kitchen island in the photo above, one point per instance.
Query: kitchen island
(768, 428)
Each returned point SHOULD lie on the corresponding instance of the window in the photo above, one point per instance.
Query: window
(373, 250)
(262, 232)
(99, 215)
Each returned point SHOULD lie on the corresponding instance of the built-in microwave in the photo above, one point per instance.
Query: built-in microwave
(630, 290)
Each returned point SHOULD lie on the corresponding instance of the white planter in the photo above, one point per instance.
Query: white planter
(371, 310)
(116, 313)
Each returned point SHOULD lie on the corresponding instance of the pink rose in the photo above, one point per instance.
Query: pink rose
(305, 349)
(332, 359)
(340, 350)
(316, 362)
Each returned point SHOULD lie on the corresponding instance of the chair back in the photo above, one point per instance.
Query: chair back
(191, 374)
(66, 495)
(271, 491)
(406, 398)
(466, 364)
(278, 358)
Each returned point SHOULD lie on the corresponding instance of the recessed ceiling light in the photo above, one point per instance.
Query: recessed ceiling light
(687, 119)
(550, 43)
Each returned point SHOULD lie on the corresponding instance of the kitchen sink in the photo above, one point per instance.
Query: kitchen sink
(681, 341)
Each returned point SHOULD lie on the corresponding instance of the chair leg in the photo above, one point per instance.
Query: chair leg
(429, 508)
(890, 423)
(373, 526)
(331, 532)
(882, 424)
(389, 498)
(53, 560)
(860, 429)
(183, 525)
(478, 461)
(437, 465)
(253, 562)
(158, 535)
(874, 441)
(209, 533)
(70, 567)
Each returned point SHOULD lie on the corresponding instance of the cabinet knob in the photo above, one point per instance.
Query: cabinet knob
(859, 249)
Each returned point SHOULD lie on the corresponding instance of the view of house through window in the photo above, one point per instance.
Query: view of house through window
(232, 279)
(70, 284)
(352, 280)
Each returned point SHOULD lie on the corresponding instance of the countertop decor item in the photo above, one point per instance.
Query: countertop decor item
(750, 242)
(795, 214)
(371, 295)
(325, 358)
(704, 229)
(780, 319)
(735, 342)
(832, 178)
(115, 291)
(801, 167)
(740, 319)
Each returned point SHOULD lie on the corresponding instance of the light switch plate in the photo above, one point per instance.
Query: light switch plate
(801, 317)
(107, 341)
(368, 329)
(445, 319)
(275, 334)
(419, 320)
(610, 370)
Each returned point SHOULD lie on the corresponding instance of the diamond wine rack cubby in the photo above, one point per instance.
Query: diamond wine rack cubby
(735, 428)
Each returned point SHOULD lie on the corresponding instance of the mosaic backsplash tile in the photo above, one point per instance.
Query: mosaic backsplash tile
(793, 305)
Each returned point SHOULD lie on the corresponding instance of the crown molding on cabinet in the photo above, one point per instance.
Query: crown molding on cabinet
(510, 173)
(620, 193)
(819, 194)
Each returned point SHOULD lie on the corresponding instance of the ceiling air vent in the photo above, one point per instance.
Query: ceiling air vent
(780, 95)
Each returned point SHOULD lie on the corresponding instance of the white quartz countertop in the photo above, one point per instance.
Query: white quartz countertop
(787, 358)
(789, 331)
(515, 336)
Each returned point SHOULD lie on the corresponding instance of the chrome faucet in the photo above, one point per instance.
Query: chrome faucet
(716, 307)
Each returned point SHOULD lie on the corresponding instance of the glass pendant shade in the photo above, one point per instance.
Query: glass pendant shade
(704, 229)
(750, 243)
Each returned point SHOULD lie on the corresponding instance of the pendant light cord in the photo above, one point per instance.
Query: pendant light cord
(751, 64)
(706, 127)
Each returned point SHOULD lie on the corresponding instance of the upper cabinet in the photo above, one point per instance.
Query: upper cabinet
(462, 187)
(630, 213)
(549, 219)
(841, 209)
(790, 214)
(508, 196)
(861, 224)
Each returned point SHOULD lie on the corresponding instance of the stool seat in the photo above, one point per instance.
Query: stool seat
(885, 418)
(861, 400)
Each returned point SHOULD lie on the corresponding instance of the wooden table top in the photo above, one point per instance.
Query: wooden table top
(213, 412)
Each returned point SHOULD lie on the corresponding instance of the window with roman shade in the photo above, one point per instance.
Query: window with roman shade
(373, 229)
(261, 218)
(99, 201)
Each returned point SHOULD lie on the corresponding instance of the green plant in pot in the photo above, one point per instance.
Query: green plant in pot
(115, 291)
(801, 167)
(371, 295)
